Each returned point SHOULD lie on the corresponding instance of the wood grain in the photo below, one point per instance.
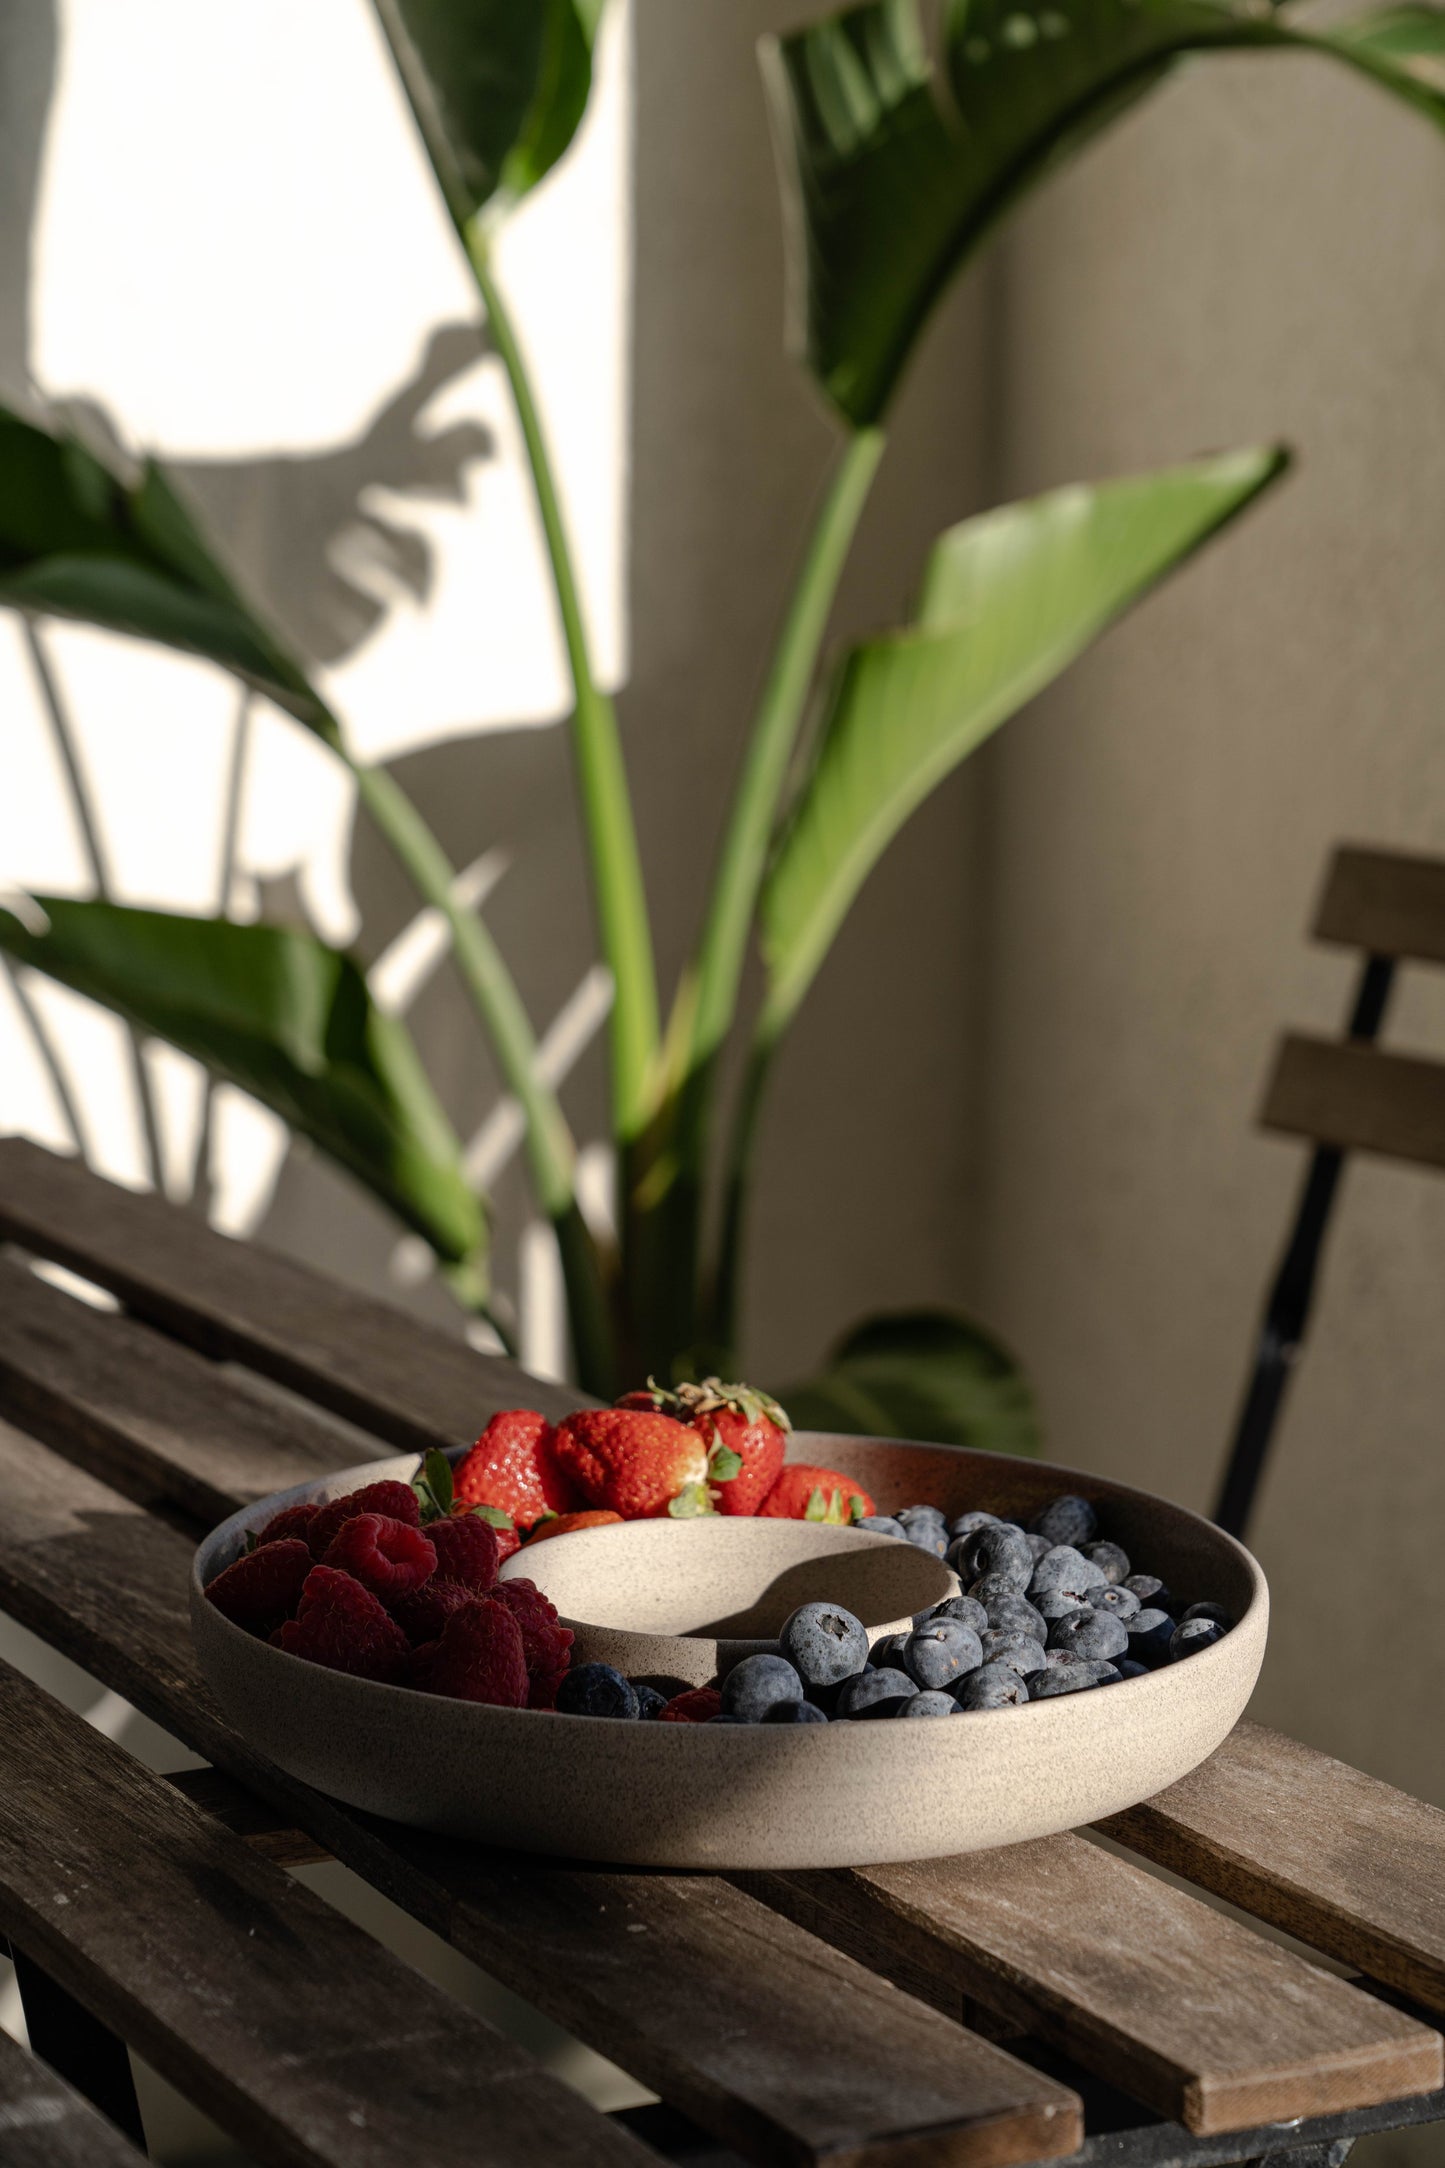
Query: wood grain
(1344, 1862)
(302, 2036)
(1389, 903)
(1187, 2010)
(408, 1382)
(782, 2046)
(1358, 1098)
(45, 2124)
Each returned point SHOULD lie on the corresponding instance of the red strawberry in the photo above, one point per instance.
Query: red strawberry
(563, 1524)
(636, 1462)
(746, 1434)
(342, 1625)
(264, 1587)
(422, 1614)
(466, 1550)
(295, 1521)
(513, 1465)
(479, 1657)
(546, 1643)
(698, 1706)
(802, 1493)
(398, 1501)
(384, 1555)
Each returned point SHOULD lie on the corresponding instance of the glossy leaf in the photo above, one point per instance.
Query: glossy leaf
(288, 1020)
(78, 541)
(498, 88)
(892, 176)
(1009, 600)
(924, 1374)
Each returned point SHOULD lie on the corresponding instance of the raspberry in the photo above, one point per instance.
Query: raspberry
(422, 1614)
(546, 1643)
(342, 1625)
(398, 1501)
(295, 1521)
(512, 1465)
(466, 1550)
(384, 1555)
(698, 1706)
(263, 1588)
(478, 1657)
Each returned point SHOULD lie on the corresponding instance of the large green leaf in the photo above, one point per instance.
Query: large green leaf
(892, 177)
(498, 88)
(924, 1374)
(77, 541)
(288, 1020)
(1009, 599)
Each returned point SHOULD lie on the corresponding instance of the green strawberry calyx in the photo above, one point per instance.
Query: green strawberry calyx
(433, 1485)
(833, 1507)
(691, 1501)
(712, 1397)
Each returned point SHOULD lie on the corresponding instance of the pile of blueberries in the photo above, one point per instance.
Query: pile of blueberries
(1049, 1610)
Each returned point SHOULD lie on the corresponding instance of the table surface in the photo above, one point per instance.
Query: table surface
(1056, 2000)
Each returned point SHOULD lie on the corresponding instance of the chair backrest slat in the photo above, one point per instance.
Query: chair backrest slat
(1358, 1099)
(1388, 903)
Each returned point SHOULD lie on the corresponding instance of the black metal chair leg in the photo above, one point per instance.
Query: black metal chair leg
(87, 2054)
(1307, 2156)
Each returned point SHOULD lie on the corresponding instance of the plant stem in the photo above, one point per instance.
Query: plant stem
(621, 900)
(202, 1169)
(720, 1301)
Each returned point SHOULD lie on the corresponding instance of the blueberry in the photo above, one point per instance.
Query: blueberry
(883, 1524)
(1194, 1634)
(995, 1549)
(993, 1686)
(1150, 1633)
(887, 1654)
(1017, 1615)
(723, 1717)
(1110, 1560)
(1067, 1520)
(823, 1643)
(992, 1588)
(1216, 1611)
(1060, 1679)
(1090, 1634)
(875, 1693)
(930, 1536)
(936, 1654)
(968, 1523)
(965, 1609)
(931, 1704)
(1065, 1570)
(1037, 1544)
(1056, 1603)
(596, 1690)
(911, 1516)
(1021, 1652)
(751, 1687)
(1128, 1669)
(649, 1702)
(793, 1712)
(1151, 1591)
(1118, 1602)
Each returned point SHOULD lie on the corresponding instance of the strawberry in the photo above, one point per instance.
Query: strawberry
(745, 1431)
(396, 1500)
(698, 1706)
(466, 1550)
(546, 1642)
(383, 1555)
(562, 1524)
(478, 1657)
(513, 1465)
(636, 1462)
(264, 1587)
(803, 1493)
(342, 1625)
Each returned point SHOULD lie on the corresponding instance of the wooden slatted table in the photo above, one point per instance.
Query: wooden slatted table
(1055, 2001)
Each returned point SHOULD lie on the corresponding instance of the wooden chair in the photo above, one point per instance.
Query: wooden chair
(1344, 1095)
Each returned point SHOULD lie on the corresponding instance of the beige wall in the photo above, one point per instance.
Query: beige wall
(1260, 253)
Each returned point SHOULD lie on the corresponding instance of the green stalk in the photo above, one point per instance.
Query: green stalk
(720, 1301)
(621, 900)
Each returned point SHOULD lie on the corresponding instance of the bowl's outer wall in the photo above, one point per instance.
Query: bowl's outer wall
(674, 1795)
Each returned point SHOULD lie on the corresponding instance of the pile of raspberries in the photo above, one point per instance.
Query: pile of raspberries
(361, 1586)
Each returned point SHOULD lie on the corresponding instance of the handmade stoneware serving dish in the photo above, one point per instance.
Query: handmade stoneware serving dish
(761, 1796)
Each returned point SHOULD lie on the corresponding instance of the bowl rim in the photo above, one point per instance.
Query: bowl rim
(383, 1696)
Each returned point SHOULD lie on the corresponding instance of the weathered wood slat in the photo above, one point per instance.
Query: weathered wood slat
(1167, 1998)
(1358, 1098)
(392, 1374)
(1389, 903)
(1346, 1863)
(248, 1817)
(759, 2032)
(45, 2124)
(262, 2003)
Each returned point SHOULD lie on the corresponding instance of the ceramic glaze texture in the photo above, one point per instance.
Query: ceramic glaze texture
(681, 1795)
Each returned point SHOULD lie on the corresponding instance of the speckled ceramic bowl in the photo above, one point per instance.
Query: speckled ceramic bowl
(683, 1601)
(682, 1795)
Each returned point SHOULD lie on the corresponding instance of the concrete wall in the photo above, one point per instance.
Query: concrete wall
(1259, 253)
